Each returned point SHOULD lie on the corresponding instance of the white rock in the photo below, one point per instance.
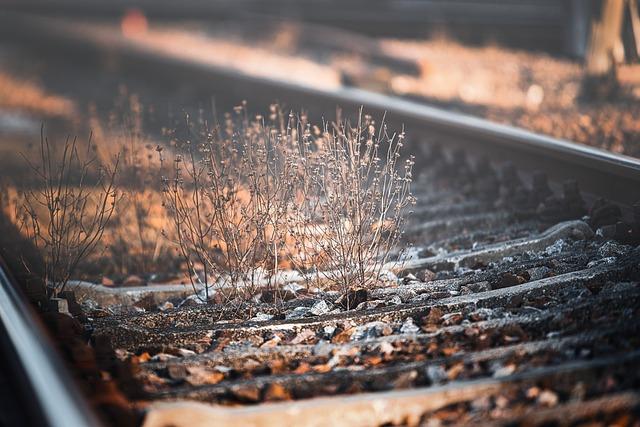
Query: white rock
(371, 330)
(319, 308)
(293, 287)
(89, 305)
(162, 357)
(122, 354)
(168, 305)
(408, 327)
(303, 336)
(386, 348)
(548, 398)
(329, 331)
(322, 348)
(602, 261)
(555, 248)
(183, 352)
(436, 374)
(504, 371)
(612, 249)
(409, 278)
(262, 317)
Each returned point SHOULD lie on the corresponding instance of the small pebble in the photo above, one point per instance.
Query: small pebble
(329, 331)
(262, 317)
(319, 308)
(437, 374)
(168, 305)
(548, 398)
(408, 327)
(183, 352)
(298, 313)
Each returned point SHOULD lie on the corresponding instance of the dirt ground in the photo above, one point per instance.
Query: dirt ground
(531, 90)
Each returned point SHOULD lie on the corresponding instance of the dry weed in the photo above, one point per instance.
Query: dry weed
(251, 196)
(69, 207)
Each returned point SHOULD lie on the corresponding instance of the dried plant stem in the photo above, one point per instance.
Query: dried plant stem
(255, 195)
(355, 206)
(75, 213)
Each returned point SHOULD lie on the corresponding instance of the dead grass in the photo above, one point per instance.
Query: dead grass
(133, 240)
(65, 215)
(27, 96)
(242, 204)
(251, 193)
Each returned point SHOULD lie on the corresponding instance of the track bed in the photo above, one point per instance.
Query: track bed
(507, 315)
(518, 300)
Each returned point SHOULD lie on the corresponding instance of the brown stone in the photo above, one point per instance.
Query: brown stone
(276, 392)
(247, 393)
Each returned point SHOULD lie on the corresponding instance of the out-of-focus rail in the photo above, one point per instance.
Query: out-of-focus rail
(599, 173)
(554, 25)
(35, 382)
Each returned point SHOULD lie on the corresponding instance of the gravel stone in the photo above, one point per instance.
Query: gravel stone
(319, 308)
(298, 313)
(408, 327)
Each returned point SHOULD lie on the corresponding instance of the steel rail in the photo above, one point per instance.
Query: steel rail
(598, 172)
(52, 393)
(543, 13)
(556, 25)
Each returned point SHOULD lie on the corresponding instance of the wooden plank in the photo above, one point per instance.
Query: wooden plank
(393, 407)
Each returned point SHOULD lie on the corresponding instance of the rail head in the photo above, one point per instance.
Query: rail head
(53, 391)
(599, 173)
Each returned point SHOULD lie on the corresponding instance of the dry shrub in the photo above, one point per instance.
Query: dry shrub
(29, 96)
(228, 200)
(68, 207)
(130, 240)
(11, 202)
(353, 199)
(251, 196)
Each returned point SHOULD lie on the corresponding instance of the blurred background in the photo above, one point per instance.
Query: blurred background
(566, 68)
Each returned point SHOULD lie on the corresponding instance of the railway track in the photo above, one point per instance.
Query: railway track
(34, 385)
(520, 303)
(558, 26)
